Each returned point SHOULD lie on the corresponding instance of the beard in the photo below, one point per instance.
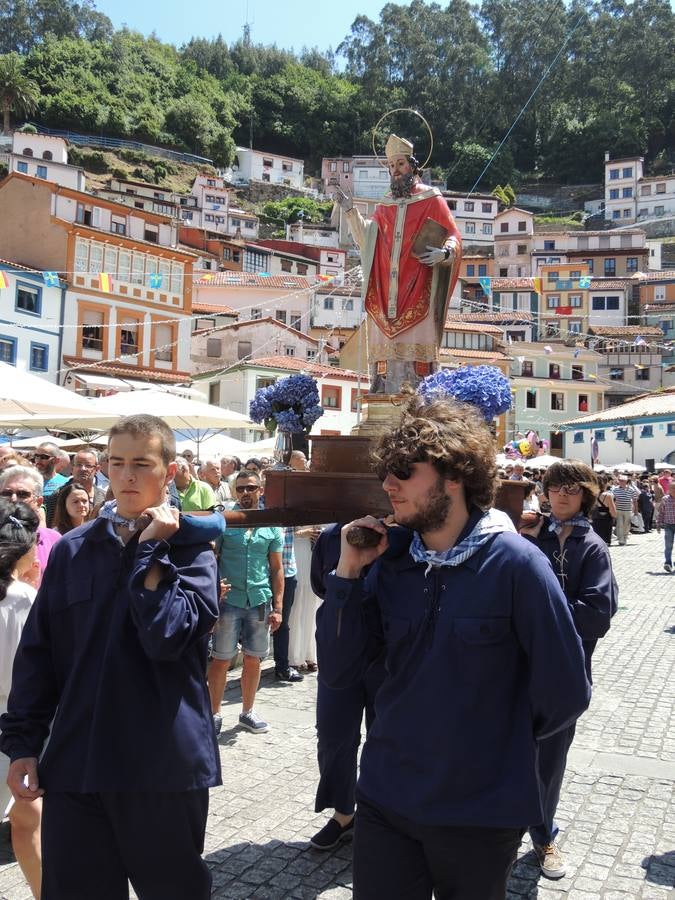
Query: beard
(402, 185)
(431, 513)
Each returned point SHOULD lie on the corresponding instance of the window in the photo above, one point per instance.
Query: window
(557, 401)
(255, 261)
(627, 192)
(27, 151)
(486, 207)
(632, 264)
(42, 171)
(582, 403)
(163, 340)
(286, 166)
(503, 273)
(311, 354)
(659, 210)
(22, 167)
(214, 347)
(504, 227)
(470, 227)
(92, 330)
(642, 373)
(661, 187)
(522, 226)
(39, 357)
(83, 215)
(268, 162)
(8, 350)
(578, 437)
(582, 243)
(487, 228)
(301, 268)
(296, 320)
(647, 431)
(600, 435)
(151, 233)
(616, 374)
(621, 434)
(613, 174)
(553, 301)
(553, 370)
(280, 315)
(626, 214)
(521, 249)
(331, 397)
(589, 263)
(333, 167)
(129, 335)
(118, 226)
(627, 172)
(345, 167)
(626, 241)
(531, 398)
(614, 194)
(670, 429)
(646, 190)
(610, 267)
(452, 204)
(482, 271)
(577, 373)
(616, 214)
(549, 245)
(28, 299)
(574, 300)
(527, 368)
(552, 330)
(328, 303)
(348, 305)
(552, 276)
(289, 350)
(47, 155)
(468, 205)
(573, 328)
(470, 271)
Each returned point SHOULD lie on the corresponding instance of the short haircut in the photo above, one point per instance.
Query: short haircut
(573, 471)
(142, 425)
(53, 449)
(254, 461)
(211, 460)
(454, 437)
(88, 449)
(241, 475)
(29, 472)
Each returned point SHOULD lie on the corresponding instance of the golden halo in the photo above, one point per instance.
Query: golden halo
(415, 113)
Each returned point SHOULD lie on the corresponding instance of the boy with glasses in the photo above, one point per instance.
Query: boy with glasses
(581, 561)
(251, 563)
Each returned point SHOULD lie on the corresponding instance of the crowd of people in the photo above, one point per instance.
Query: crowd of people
(450, 596)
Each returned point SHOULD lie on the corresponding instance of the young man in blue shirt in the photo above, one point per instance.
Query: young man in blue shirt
(482, 660)
(114, 652)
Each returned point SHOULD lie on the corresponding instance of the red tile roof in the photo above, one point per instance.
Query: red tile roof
(476, 327)
(77, 364)
(216, 308)
(505, 284)
(297, 365)
(626, 330)
(664, 275)
(473, 354)
(252, 279)
(505, 317)
(253, 323)
(613, 284)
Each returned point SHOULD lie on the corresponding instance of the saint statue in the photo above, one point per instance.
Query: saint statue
(410, 255)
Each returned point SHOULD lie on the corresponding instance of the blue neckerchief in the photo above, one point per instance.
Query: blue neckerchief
(494, 521)
(579, 521)
(196, 529)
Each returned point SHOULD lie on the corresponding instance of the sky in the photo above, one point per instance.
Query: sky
(290, 24)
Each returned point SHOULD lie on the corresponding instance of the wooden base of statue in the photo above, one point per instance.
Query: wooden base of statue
(378, 413)
(340, 487)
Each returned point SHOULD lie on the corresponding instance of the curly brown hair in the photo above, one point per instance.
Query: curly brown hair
(452, 436)
(573, 471)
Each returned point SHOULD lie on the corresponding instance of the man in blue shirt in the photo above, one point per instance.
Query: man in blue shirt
(44, 460)
(482, 660)
(250, 562)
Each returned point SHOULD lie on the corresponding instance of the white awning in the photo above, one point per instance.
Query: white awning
(101, 381)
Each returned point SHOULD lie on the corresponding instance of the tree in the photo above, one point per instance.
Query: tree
(17, 92)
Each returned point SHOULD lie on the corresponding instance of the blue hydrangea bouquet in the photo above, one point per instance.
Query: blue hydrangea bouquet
(483, 386)
(290, 405)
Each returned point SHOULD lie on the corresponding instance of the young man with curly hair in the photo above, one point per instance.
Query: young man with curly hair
(482, 661)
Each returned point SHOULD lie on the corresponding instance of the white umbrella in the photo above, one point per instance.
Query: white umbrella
(629, 467)
(30, 442)
(213, 445)
(256, 447)
(664, 465)
(541, 462)
(23, 396)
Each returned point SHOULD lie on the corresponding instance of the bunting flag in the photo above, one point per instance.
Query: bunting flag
(640, 341)
(265, 274)
(585, 281)
(156, 280)
(3, 281)
(563, 311)
(207, 277)
(51, 279)
(486, 285)
(548, 348)
(536, 283)
(325, 277)
(105, 282)
(577, 352)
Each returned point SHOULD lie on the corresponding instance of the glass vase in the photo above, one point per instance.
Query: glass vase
(283, 447)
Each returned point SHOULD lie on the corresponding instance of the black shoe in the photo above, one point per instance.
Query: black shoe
(331, 834)
(289, 675)
(217, 723)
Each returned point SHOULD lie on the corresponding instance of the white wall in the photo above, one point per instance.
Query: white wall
(614, 452)
(23, 329)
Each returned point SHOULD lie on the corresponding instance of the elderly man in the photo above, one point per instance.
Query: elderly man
(209, 472)
(625, 500)
(24, 484)
(84, 467)
(45, 461)
(518, 472)
(410, 255)
(194, 495)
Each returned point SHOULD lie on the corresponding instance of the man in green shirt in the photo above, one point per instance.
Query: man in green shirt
(194, 495)
(250, 562)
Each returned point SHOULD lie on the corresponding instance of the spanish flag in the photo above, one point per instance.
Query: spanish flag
(3, 281)
(537, 285)
(105, 282)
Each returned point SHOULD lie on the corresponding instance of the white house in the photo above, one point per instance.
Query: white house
(258, 165)
(336, 307)
(608, 301)
(361, 176)
(475, 216)
(225, 345)
(313, 235)
(44, 156)
(631, 196)
(30, 318)
(339, 390)
(255, 296)
(513, 241)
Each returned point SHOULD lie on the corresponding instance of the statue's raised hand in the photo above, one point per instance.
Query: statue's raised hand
(344, 201)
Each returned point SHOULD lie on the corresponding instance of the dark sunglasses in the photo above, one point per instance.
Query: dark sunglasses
(402, 472)
(42, 456)
(20, 495)
(248, 488)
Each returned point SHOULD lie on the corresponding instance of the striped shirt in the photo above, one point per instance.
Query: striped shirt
(624, 498)
(666, 514)
(288, 554)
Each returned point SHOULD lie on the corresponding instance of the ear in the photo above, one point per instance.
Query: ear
(170, 472)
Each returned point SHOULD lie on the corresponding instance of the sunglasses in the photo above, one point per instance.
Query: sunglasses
(571, 489)
(248, 488)
(402, 472)
(42, 456)
(20, 495)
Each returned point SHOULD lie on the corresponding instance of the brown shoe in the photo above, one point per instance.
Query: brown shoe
(551, 860)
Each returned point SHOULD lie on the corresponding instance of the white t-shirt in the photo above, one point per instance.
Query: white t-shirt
(14, 610)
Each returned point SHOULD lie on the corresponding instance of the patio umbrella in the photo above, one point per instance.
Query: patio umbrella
(24, 395)
(213, 445)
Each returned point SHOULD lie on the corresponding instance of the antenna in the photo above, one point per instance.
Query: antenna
(247, 28)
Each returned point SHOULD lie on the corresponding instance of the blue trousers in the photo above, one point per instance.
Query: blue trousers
(281, 636)
(93, 843)
(339, 714)
(668, 535)
(551, 763)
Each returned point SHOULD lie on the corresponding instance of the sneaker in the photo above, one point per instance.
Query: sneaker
(551, 861)
(667, 567)
(289, 675)
(217, 723)
(331, 834)
(252, 722)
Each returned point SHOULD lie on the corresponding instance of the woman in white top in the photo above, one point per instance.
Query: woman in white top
(18, 541)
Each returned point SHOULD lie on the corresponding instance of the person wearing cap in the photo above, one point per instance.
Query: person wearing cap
(410, 255)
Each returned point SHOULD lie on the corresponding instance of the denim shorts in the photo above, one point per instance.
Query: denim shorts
(246, 624)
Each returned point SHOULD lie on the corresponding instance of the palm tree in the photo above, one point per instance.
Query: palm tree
(17, 92)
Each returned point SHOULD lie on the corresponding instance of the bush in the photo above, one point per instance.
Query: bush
(140, 174)
(90, 160)
(117, 172)
(137, 156)
(28, 129)
(160, 172)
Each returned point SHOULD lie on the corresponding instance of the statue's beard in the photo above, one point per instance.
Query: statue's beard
(402, 185)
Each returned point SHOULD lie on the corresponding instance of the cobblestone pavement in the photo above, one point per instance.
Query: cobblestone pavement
(617, 811)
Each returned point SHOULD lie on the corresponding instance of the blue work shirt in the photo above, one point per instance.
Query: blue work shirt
(119, 668)
(482, 659)
(244, 562)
